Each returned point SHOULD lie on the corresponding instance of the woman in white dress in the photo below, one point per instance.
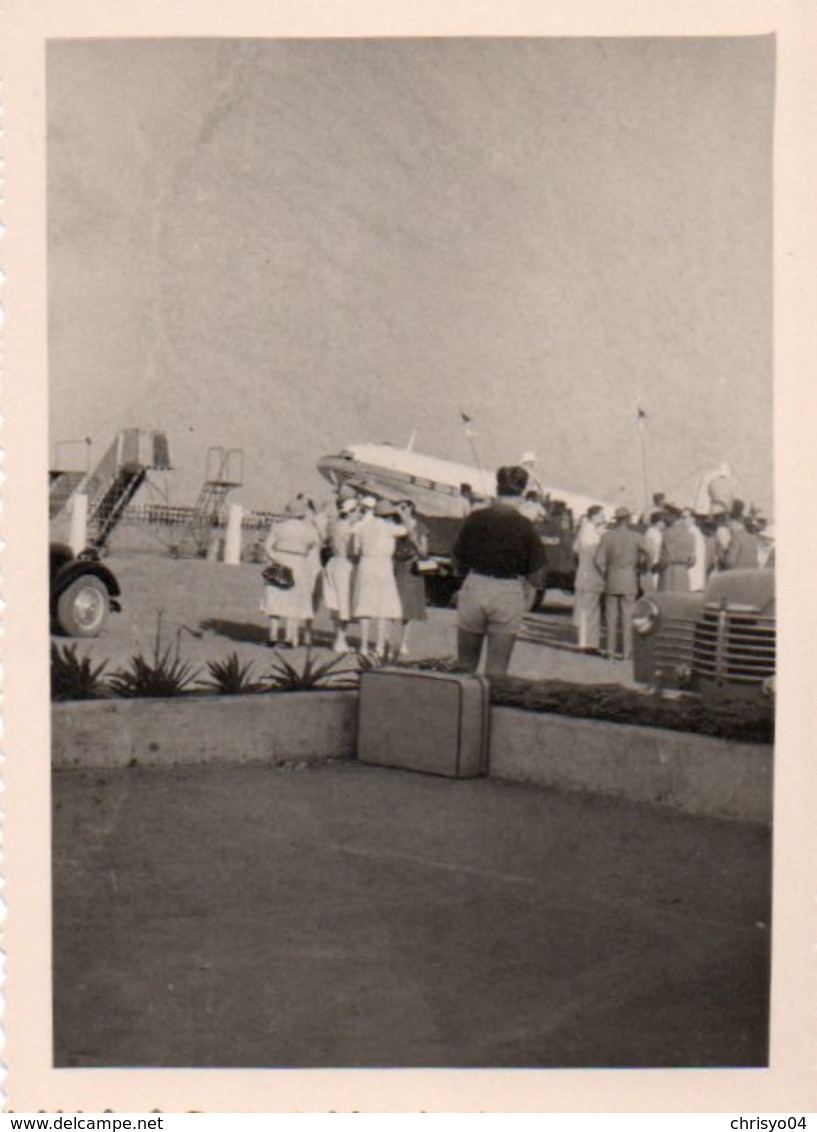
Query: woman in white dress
(337, 573)
(375, 594)
(290, 541)
(320, 521)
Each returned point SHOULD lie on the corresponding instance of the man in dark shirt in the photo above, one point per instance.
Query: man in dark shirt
(498, 548)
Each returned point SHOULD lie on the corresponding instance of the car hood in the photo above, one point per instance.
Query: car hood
(753, 589)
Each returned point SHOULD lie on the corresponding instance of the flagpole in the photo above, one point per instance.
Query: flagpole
(642, 422)
(470, 436)
(477, 460)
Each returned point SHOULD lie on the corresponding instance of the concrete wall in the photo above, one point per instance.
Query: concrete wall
(694, 773)
(275, 728)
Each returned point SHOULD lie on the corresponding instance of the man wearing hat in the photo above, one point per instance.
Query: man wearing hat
(620, 557)
(528, 461)
(678, 553)
(742, 551)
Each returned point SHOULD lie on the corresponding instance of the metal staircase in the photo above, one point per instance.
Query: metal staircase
(224, 471)
(113, 482)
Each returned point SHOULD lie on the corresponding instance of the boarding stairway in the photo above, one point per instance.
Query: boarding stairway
(113, 483)
(224, 472)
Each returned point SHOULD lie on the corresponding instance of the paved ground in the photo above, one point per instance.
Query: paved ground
(213, 609)
(348, 915)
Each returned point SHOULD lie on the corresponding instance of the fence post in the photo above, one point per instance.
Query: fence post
(232, 541)
(78, 530)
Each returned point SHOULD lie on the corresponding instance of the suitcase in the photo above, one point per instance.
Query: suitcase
(435, 722)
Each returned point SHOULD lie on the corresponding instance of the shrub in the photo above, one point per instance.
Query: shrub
(161, 676)
(74, 677)
(433, 664)
(164, 674)
(732, 718)
(285, 677)
(231, 678)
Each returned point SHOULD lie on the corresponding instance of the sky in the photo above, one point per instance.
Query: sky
(290, 246)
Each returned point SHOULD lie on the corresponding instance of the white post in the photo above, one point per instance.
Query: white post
(232, 540)
(78, 530)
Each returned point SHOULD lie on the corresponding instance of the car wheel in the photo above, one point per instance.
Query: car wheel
(82, 608)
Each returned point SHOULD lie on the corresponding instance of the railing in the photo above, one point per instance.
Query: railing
(165, 514)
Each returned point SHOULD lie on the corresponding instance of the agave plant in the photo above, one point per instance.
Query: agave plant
(367, 662)
(285, 677)
(158, 677)
(74, 677)
(164, 673)
(231, 678)
(432, 664)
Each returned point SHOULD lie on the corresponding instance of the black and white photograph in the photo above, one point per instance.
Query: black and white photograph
(412, 513)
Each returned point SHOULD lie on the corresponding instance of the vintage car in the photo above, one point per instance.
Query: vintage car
(721, 640)
(83, 591)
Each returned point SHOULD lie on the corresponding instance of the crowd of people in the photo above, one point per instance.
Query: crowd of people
(361, 556)
(358, 557)
(672, 550)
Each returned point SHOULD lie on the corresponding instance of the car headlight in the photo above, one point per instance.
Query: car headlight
(645, 616)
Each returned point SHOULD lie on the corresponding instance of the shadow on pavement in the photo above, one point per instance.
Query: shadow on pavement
(248, 632)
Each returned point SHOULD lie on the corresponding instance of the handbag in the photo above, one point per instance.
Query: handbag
(423, 566)
(279, 575)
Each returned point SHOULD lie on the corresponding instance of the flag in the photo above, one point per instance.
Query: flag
(470, 431)
(642, 418)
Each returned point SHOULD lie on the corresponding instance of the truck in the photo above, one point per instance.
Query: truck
(442, 579)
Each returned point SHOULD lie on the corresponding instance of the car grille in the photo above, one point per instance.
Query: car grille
(734, 646)
(674, 647)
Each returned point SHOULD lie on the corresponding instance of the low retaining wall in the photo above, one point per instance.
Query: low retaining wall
(694, 773)
(275, 728)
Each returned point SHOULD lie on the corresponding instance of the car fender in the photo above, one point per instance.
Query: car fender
(80, 568)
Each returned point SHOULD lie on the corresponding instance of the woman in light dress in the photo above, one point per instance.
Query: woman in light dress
(291, 541)
(375, 595)
(589, 584)
(320, 521)
(338, 571)
(409, 549)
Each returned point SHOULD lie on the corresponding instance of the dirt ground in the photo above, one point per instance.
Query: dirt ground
(212, 609)
(350, 915)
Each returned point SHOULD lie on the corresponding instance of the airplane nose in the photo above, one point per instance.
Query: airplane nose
(329, 466)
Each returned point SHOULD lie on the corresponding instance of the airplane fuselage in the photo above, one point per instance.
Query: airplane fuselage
(435, 486)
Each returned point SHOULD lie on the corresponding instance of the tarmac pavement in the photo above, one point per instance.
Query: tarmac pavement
(208, 610)
(348, 915)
